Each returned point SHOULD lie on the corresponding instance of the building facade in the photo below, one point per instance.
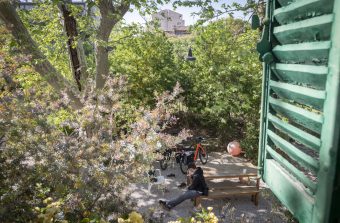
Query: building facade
(170, 22)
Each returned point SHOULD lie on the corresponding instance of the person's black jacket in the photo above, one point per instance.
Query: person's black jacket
(198, 182)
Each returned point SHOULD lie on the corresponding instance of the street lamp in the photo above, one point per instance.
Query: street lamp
(190, 57)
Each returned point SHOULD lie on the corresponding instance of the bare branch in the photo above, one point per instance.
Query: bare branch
(9, 80)
(2, 140)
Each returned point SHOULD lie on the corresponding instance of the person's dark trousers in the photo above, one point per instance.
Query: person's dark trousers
(189, 194)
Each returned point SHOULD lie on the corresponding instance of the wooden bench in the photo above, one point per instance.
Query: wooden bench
(216, 192)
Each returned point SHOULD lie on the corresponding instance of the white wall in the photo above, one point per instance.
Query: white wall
(168, 20)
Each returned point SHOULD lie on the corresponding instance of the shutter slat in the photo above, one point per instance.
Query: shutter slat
(314, 76)
(295, 133)
(314, 29)
(302, 9)
(303, 95)
(285, 2)
(302, 158)
(315, 53)
(309, 120)
(292, 169)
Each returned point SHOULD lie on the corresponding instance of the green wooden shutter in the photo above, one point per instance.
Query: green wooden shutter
(300, 114)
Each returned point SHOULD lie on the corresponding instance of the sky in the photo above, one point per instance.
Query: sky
(134, 16)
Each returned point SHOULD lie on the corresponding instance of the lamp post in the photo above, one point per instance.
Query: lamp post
(190, 57)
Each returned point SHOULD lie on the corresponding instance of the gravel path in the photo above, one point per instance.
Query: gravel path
(233, 209)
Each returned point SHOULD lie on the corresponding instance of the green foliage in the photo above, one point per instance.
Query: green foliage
(59, 118)
(146, 58)
(208, 11)
(45, 27)
(223, 86)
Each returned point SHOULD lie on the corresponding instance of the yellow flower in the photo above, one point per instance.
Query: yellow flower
(210, 208)
(121, 220)
(136, 217)
(86, 213)
(48, 200)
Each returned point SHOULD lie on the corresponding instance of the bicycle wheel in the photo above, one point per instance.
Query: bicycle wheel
(164, 163)
(183, 167)
(203, 156)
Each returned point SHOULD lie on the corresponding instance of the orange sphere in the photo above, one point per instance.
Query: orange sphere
(234, 148)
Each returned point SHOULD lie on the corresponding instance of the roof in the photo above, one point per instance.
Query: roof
(167, 11)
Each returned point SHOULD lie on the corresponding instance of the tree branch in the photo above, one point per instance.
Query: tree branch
(9, 81)
(29, 47)
(110, 16)
(2, 140)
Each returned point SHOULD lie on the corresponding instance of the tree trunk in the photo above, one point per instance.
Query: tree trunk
(110, 15)
(29, 47)
(102, 64)
(75, 47)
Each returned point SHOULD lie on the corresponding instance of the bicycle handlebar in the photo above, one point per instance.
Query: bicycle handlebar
(199, 139)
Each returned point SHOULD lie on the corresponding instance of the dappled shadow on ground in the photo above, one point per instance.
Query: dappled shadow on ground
(231, 209)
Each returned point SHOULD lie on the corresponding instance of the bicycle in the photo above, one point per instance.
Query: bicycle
(189, 155)
(165, 161)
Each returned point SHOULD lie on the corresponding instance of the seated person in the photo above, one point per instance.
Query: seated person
(197, 188)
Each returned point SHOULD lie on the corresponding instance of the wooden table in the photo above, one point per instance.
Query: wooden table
(225, 180)
(228, 169)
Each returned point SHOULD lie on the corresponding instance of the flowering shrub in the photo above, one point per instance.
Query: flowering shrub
(134, 217)
(205, 216)
(81, 159)
(86, 165)
(49, 212)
